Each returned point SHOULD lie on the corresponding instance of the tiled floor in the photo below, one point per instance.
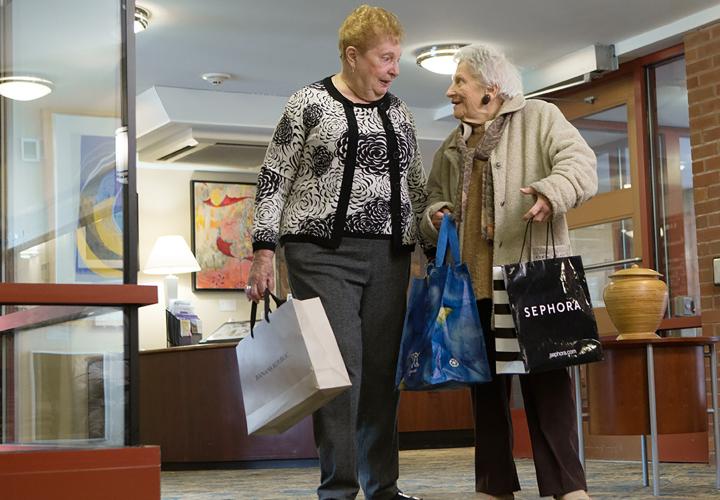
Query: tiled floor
(438, 475)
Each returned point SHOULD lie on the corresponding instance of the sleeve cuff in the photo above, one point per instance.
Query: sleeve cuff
(263, 245)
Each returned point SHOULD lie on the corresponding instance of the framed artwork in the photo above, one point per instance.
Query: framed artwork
(221, 240)
(88, 206)
(228, 332)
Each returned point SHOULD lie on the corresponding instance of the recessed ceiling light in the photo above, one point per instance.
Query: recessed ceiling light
(24, 88)
(439, 58)
(142, 19)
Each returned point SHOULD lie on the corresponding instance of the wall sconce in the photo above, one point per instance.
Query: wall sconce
(142, 19)
(171, 255)
(24, 88)
(439, 59)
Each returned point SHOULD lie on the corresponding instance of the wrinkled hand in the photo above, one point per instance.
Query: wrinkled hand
(437, 217)
(262, 276)
(541, 210)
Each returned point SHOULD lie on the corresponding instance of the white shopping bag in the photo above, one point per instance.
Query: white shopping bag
(290, 367)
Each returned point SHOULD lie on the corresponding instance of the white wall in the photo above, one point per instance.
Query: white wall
(164, 208)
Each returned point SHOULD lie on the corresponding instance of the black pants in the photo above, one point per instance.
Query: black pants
(550, 410)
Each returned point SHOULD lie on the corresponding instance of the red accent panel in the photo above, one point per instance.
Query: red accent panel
(121, 473)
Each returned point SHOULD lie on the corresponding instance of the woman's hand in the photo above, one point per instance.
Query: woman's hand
(437, 217)
(541, 210)
(262, 276)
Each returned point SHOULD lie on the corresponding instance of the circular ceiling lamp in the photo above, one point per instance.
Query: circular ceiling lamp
(439, 58)
(24, 88)
(142, 19)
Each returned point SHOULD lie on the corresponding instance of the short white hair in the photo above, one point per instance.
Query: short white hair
(491, 67)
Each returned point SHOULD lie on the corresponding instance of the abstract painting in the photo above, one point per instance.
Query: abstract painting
(221, 239)
(99, 233)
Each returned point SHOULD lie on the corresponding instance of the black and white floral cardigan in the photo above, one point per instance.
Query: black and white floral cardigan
(335, 168)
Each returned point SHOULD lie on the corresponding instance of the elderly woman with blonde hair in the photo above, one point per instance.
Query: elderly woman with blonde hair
(342, 188)
(510, 161)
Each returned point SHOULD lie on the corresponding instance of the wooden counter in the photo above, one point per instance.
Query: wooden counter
(191, 405)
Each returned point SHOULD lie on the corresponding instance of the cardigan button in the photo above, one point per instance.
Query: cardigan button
(396, 155)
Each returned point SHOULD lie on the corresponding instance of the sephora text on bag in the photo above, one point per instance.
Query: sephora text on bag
(553, 315)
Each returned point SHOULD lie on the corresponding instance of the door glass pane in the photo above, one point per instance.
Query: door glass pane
(673, 202)
(63, 205)
(606, 133)
(65, 380)
(602, 244)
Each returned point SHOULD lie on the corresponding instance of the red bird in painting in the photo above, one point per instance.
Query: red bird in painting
(224, 246)
(228, 200)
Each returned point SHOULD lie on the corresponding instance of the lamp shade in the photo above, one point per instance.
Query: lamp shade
(171, 255)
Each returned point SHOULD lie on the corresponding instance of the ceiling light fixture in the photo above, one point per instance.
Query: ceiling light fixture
(142, 19)
(24, 88)
(439, 58)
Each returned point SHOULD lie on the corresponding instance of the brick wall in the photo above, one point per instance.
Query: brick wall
(702, 59)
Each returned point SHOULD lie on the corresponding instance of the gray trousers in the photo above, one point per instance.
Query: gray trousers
(362, 286)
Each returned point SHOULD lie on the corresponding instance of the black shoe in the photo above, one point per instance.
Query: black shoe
(402, 496)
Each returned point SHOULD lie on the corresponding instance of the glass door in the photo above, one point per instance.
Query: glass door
(607, 230)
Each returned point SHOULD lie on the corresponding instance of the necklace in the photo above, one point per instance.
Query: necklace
(361, 100)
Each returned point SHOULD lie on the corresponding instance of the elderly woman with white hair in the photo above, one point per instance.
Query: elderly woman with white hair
(510, 161)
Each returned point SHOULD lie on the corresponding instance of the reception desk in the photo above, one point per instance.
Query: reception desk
(191, 405)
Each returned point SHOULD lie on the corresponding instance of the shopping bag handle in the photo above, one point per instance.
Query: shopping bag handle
(550, 234)
(448, 237)
(254, 306)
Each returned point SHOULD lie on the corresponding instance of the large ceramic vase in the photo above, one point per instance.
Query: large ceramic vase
(636, 300)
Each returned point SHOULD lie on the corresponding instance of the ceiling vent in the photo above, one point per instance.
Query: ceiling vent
(572, 69)
(204, 148)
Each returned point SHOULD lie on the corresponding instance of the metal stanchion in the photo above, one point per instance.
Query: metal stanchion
(578, 414)
(653, 419)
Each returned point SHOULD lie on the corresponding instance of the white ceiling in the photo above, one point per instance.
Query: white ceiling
(272, 47)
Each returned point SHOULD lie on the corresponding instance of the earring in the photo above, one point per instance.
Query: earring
(485, 99)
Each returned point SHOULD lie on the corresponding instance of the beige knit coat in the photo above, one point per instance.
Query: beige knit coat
(539, 148)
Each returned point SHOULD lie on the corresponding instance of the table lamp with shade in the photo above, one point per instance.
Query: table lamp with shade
(170, 256)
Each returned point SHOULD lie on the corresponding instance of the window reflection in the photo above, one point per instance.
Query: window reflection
(62, 217)
(600, 244)
(606, 133)
(68, 379)
(673, 204)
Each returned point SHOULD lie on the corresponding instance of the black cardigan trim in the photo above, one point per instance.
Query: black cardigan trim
(348, 174)
(394, 168)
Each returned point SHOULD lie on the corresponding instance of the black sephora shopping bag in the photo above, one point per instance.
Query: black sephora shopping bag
(551, 308)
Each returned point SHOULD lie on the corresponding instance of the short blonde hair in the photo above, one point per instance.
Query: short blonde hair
(366, 25)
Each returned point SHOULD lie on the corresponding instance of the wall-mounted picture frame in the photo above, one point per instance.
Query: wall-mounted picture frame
(221, 234)
(83, 156)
